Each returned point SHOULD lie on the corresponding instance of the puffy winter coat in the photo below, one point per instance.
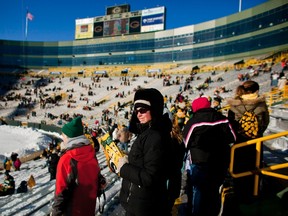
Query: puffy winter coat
(7, 164)
(143, 190)
(76, 182)
(17, 164)
(8, 185)
(207, 135)
(258, 105)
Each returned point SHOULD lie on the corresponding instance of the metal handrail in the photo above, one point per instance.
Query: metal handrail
(277, 95)
(258, 170)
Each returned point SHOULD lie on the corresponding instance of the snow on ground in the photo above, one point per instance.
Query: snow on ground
(102, 91)
(39, 198)
(23, 142)
(26, 140)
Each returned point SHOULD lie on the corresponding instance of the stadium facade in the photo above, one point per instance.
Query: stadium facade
(257, 31)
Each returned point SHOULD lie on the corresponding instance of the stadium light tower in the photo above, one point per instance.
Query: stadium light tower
(240, 5)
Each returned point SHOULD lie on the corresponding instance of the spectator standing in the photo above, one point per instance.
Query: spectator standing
(16, 161)
(115, 133)
(53, 160)
(247, 98)
(180, 115)
(77, 173)
(94, 135)
(207, 137)
(144, 184)
(284, 64)
(7, 164)
(282, 82)
(274, 79)
(123, 136)
(176, 164)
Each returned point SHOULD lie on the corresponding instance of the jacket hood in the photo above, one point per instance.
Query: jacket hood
(82, 154)
(147, 97)
(79, 148)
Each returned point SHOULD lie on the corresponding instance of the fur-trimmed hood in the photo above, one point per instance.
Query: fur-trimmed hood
(238, 101)
(256, 104)
(155, 99)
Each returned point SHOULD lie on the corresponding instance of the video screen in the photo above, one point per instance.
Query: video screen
(116, 27)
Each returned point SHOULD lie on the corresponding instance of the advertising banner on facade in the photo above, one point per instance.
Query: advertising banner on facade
(84, 28)
(98, 29)
(135, 25)
(153, 19)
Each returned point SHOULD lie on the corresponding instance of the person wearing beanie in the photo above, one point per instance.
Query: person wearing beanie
(73, 128)
(200, 103)
(144, 171)
(77, 173)
(207, 137)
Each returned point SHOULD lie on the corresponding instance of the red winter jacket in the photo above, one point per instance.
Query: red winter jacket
(76, 182)
(17, 164)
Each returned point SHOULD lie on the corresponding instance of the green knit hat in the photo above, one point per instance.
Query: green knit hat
(73, 128)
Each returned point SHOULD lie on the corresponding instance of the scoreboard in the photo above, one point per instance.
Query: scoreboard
(120, 21)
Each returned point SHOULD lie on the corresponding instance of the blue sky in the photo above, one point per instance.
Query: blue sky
(54, 20)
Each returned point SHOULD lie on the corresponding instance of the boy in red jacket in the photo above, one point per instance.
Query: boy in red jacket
(77, 173)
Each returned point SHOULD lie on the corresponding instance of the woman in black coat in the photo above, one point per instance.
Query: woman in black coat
(144, 185)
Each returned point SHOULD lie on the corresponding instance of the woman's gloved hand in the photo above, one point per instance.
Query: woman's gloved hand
(121, 162)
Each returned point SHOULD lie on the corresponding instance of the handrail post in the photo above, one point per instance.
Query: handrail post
(258, 162)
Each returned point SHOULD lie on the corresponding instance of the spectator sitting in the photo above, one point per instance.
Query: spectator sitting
(8, 187)
(22, 187)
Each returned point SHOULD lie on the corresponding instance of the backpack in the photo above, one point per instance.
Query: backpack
(248, 124)
(31, 182)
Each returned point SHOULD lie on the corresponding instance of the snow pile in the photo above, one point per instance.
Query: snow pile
(28, 141)
(280, 144)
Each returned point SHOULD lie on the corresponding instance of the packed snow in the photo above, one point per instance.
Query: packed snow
(24, 141)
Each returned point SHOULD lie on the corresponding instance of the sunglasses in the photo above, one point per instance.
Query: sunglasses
(141, 110)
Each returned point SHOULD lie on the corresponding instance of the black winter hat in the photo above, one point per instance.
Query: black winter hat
(151, 98)
(148, 98)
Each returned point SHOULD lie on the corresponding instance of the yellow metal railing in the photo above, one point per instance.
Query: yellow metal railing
(265, 171)
(276, 95)
(285, 92)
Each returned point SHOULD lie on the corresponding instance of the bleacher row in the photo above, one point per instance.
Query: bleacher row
(107, 99)
(167, 68)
